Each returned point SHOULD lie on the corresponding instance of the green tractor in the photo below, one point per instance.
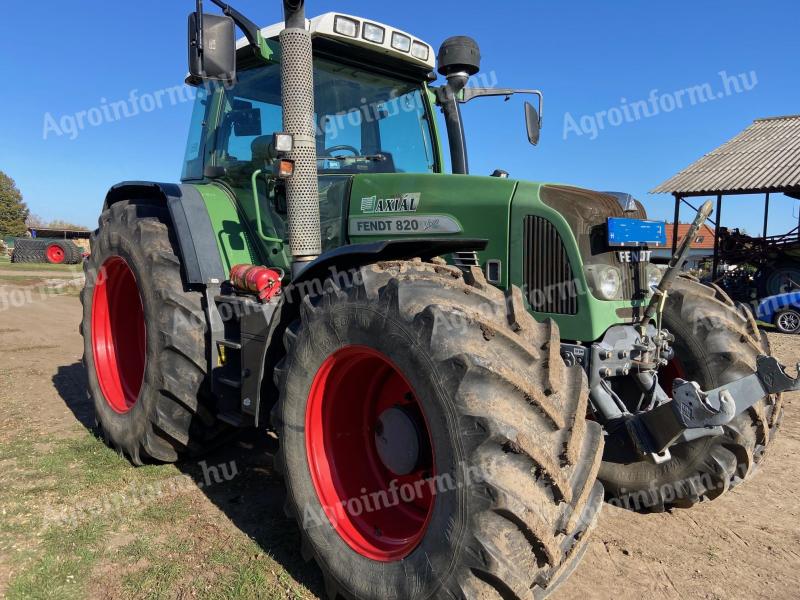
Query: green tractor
(459, 368)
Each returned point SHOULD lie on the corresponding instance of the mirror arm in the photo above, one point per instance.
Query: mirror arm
(199, 27)
(250, 29)
(471, 93)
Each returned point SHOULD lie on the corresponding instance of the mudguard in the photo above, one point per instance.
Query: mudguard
(199, 253)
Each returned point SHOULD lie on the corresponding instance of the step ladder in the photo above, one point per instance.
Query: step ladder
(239, 330)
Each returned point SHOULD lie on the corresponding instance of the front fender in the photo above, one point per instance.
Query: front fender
(197, 240)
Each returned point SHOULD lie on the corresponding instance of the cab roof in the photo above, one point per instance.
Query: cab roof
(365, 33)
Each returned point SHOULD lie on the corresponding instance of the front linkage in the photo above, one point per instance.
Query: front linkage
(660, 421)
(692, 409)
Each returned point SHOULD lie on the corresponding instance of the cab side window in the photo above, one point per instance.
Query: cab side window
(242, 122)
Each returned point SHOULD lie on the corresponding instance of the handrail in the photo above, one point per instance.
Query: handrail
(259, 226)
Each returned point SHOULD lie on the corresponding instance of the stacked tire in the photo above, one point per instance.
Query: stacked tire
(27, 250)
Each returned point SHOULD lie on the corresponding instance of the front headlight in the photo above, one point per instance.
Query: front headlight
(654, 275)
(606, 282)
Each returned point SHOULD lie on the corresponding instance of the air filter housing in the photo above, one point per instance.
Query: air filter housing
(459, 54)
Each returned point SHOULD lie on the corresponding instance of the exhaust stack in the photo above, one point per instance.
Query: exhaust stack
(297, 89)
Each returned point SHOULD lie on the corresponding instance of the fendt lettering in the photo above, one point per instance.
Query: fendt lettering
(635, 256)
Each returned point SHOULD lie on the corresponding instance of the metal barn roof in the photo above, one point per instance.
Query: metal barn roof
(764, 157)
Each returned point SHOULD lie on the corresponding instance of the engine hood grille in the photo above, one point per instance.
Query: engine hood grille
(587, 212)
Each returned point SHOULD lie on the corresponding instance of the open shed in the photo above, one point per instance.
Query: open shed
(762, 159)
(79, 236)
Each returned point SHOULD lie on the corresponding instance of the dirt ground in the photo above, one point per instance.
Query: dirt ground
(211, 540)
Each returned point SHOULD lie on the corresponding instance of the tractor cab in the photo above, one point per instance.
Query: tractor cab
(373, 115)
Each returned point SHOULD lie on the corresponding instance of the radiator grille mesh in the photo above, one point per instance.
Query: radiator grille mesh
(548, 277)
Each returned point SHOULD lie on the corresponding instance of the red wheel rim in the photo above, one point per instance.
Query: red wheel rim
(380, 514)
(55, 254)
(118, 334)
(673, 370)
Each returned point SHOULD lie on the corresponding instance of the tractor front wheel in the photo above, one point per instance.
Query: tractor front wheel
(432, 446)
(716, 343)
(144, 339)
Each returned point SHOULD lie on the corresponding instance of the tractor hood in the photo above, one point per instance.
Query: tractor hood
(391, 206)
(541, 238)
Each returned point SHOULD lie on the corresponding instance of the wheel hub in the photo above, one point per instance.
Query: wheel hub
(789, 321)
(55, 254)
(397, 441)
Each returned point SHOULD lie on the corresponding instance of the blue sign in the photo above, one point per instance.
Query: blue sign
(636, 232)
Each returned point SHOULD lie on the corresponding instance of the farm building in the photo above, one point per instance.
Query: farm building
(78, 236)
(701, 248)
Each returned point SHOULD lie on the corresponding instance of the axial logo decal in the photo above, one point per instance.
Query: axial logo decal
(402, 203)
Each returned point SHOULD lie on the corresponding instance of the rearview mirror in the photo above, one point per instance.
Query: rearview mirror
(212, 48)
(533, 123)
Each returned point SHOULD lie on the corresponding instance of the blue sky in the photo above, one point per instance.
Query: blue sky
(587, 56)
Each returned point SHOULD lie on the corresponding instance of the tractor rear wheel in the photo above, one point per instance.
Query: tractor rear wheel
(716, 343)
(64, 252)
(144, 340)
(430, 448)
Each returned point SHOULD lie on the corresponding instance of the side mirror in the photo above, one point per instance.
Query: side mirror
(533, 123)
(212, 48)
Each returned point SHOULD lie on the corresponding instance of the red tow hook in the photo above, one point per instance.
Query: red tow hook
(263, 281)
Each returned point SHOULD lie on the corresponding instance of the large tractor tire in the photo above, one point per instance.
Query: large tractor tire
(27, 250)
(74, 253)
(432, 441)
(144, 338)
(716, 343)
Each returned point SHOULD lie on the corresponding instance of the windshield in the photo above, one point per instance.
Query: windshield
(366, 122)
